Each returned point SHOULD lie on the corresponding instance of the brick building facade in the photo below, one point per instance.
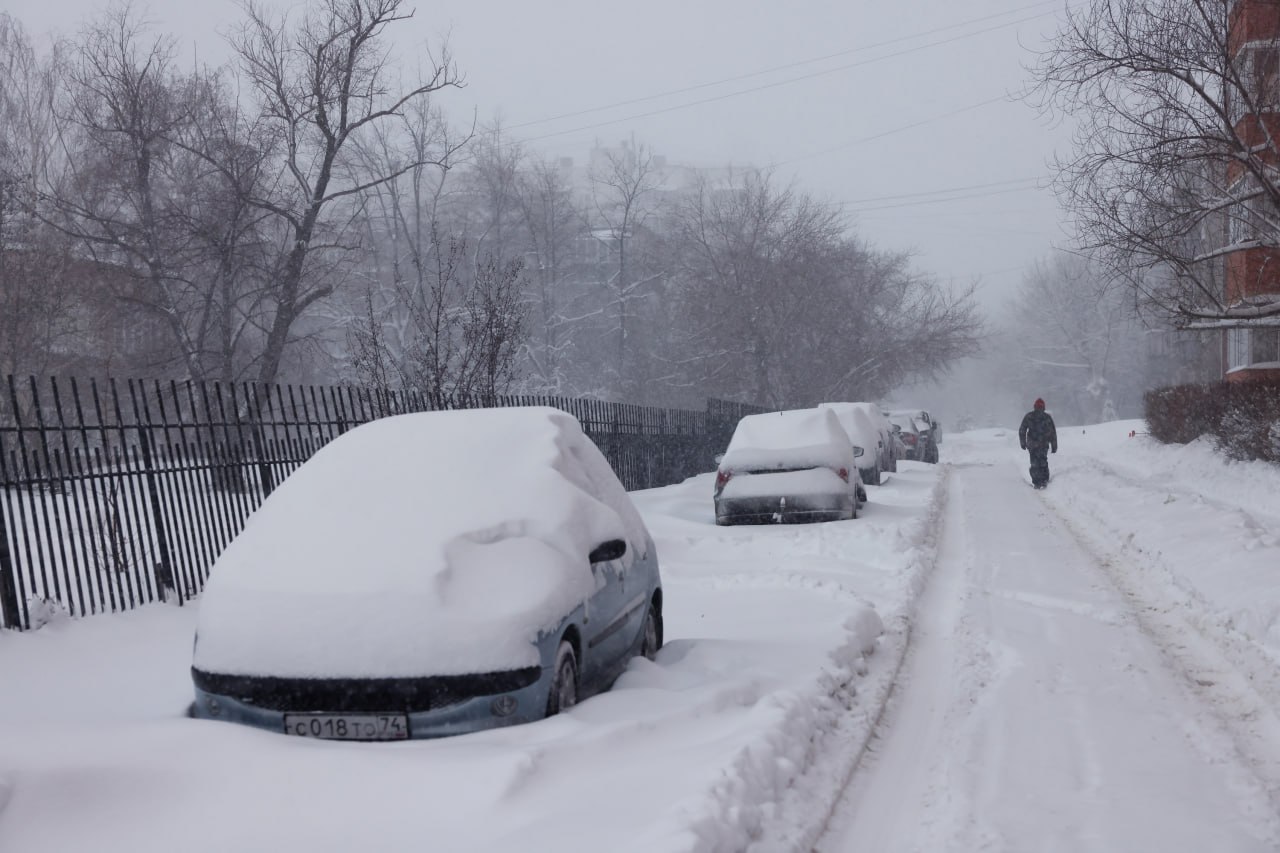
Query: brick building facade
(1252, 274)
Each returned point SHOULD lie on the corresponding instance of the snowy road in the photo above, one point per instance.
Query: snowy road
(1091, 668)
(1039, 712)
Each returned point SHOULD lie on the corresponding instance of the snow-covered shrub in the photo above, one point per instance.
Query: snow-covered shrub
(1182, 413)
(1252, 411)
(1236, 435)
(1240, 416)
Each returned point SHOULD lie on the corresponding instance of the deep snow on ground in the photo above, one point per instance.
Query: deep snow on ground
(766, 664)
(744, 732)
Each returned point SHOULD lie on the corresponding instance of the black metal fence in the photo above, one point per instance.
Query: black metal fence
(118, 493)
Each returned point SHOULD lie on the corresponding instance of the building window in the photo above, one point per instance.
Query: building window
(1237, 348)
(1258, 67)
(1264, 346)
(1252, 348)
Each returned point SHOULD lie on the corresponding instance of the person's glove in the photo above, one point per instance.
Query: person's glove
(1055, 450)
(1024, 446)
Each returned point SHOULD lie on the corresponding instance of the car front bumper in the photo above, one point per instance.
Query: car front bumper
(468, 715)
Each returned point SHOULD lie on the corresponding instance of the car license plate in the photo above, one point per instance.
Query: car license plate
(348, 726)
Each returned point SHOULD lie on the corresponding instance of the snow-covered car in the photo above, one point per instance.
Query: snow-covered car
(899, 446)
(790, 466)
(891, 448)
(929, 422)
(928, 430)
(894, 448)
(868, 444)
(908, 433)
(430, 574)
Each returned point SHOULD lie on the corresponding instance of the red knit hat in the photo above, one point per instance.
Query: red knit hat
(1039, 403)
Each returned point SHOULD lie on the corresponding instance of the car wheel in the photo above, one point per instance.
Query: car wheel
(564, 685)
(651, 638)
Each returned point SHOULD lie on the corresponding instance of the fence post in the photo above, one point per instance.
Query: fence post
(266, 476)
(8, 583)
(163, 569)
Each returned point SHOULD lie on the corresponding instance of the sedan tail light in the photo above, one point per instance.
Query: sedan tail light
(908, 438)
(844, 474)
(722, 477)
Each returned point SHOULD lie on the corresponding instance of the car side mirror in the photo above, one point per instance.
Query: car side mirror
(606, 551)
(857, 451)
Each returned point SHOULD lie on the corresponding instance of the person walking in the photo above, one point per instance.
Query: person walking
(1037, 435)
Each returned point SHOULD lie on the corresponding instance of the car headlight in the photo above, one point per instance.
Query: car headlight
(503, 706)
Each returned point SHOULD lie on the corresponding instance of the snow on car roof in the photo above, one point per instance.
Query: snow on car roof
(903, 419)
(856, 422)
(425, 544)
(792, 438)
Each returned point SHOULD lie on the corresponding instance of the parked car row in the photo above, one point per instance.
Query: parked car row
(812, 464)
(445, 572)
(919, 432)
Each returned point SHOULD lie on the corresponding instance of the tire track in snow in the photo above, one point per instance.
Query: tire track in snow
(807, 809)
(1233, 681)
(1248, 515)
(1041, 715)
(940, 641)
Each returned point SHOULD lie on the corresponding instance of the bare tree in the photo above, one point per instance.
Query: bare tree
(113, 188)
(454, 328)
(320, 83)
(1075, 337)
(170, 239)
(36, 306)
(232, 241)
(552, 222)
(780, 306)
(622, 188)
(1174, 162)
(438, 315)
(493, 211)
(493, 326)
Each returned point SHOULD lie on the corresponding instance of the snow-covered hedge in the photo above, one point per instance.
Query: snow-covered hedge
(1244, 418)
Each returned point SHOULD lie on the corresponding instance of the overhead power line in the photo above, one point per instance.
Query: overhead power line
(900, 129)
(803, 62)
(940, 200)
(787, 82)
(945, 190)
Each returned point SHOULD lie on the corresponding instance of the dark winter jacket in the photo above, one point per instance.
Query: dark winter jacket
(1037, 431)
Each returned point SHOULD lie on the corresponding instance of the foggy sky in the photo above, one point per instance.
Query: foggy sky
(527, 63)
